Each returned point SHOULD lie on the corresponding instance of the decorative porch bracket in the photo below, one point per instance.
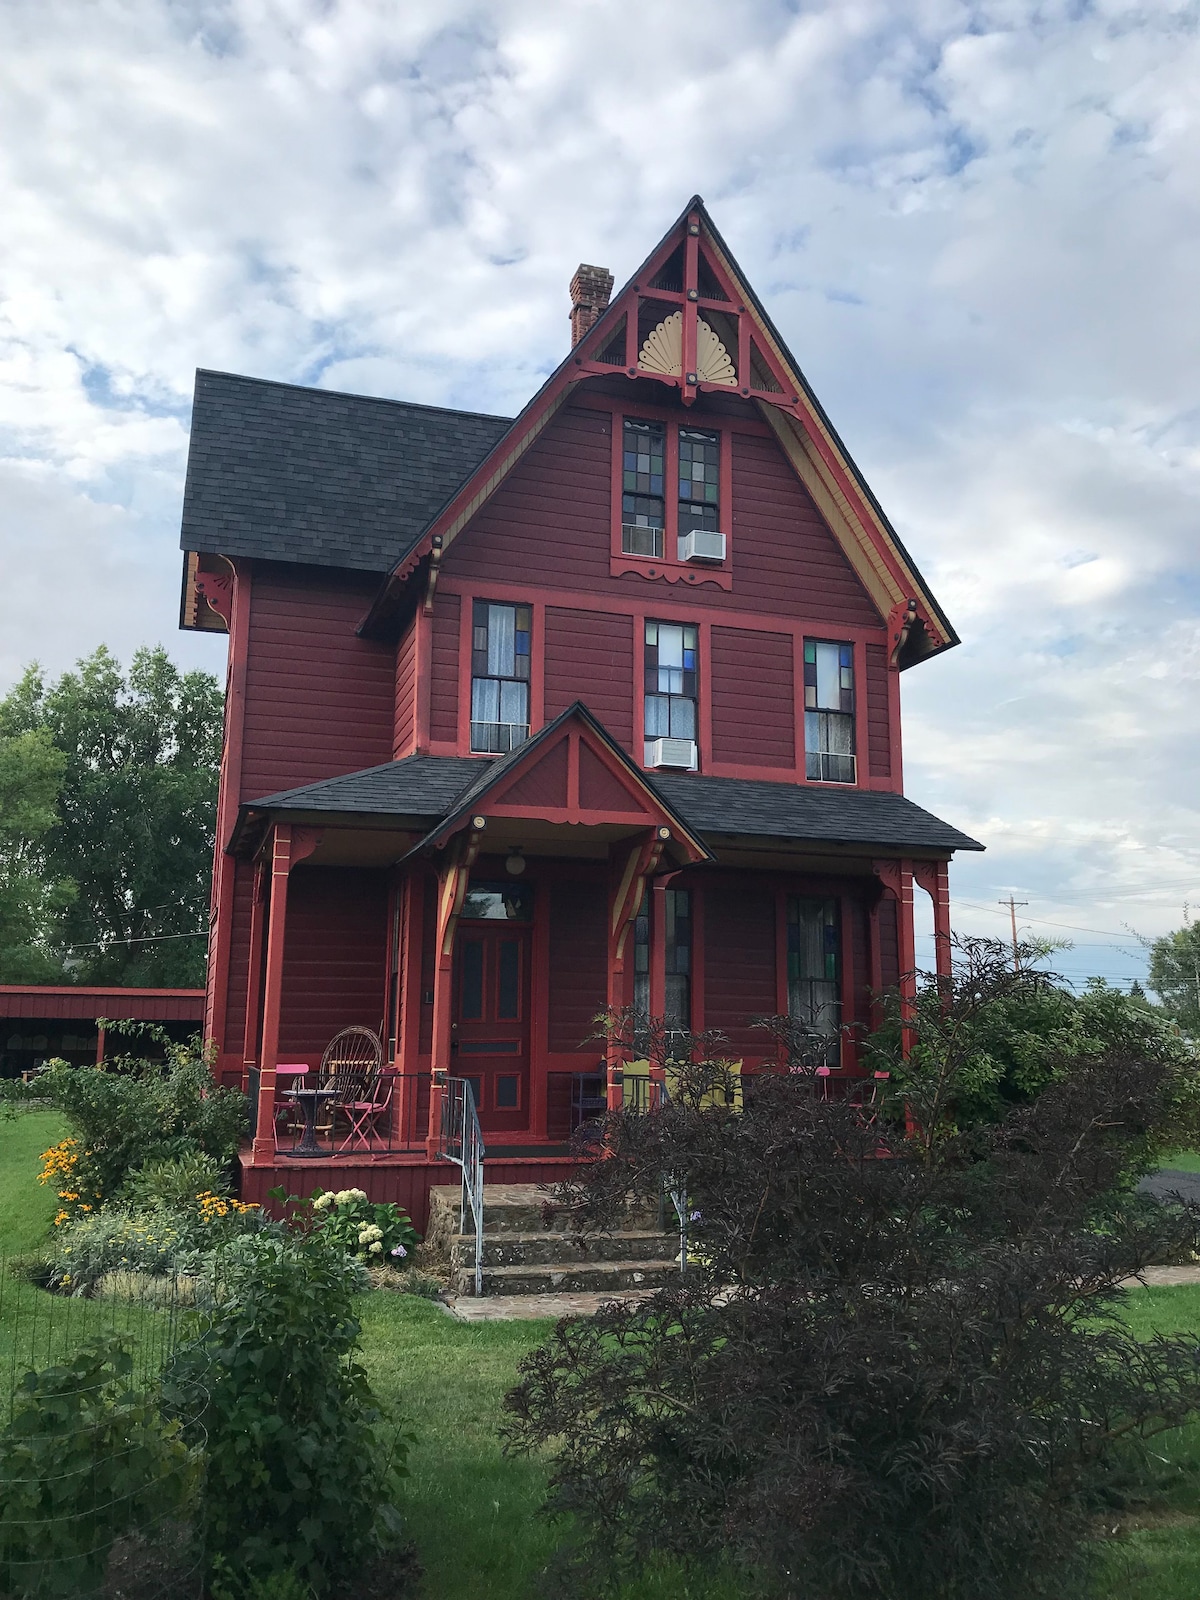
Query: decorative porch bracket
(289, 846)
(454, 873)
(640, 864)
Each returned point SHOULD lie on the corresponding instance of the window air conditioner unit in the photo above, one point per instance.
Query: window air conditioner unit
(673, 753)
(702, 544)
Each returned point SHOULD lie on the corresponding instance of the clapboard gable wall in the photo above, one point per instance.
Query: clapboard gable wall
(547, 531)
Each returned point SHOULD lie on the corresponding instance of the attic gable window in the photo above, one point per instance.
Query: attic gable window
(643, 483)
(829, 712)
(699, 480)
(500, 651)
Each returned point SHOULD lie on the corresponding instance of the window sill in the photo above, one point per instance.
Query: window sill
(659, 567)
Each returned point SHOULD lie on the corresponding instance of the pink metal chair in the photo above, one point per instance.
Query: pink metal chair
(366, 1114)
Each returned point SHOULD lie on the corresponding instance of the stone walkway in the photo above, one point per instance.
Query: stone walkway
(528, 1307)
(1164, 1278)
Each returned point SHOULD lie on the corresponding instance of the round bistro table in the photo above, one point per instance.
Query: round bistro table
(309, 1100)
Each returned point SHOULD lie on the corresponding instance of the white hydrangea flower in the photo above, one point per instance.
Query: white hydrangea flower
(376, 1249)
(322, 1202)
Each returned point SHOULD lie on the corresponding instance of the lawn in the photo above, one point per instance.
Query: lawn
(471, 1511)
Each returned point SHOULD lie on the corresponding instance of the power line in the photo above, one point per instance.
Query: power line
(150, 938)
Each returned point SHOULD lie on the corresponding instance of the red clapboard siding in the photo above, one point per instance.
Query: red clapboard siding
(319, 700)
(753, 697)
(879, 738)
(443, 688)
(82, 1004)
(578, 964)
(889, 948)
(550, 522)
(785, 556)
(589, 657)
(739, 959)
(404, 722)
(860, 955)
(334, 958)
(239, 947)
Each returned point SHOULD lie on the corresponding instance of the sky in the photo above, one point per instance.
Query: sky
(974, 223)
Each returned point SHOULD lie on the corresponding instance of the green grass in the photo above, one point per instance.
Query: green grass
(26, 1207)
(1181, 1161)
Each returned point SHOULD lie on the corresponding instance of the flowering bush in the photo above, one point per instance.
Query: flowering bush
(373, 1233)
(127, 1115)
(60, 1165)
(157, 1240)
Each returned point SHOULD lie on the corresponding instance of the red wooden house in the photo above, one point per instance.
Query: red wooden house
(592, 707)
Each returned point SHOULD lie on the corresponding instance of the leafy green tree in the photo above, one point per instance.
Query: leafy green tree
(134, 815)
(31, 772)
(1175, 974)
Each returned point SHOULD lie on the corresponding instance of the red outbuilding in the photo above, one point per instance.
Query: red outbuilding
(594, 707)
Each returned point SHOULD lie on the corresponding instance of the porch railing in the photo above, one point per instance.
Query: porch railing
(462, 1142)
(390, 1117)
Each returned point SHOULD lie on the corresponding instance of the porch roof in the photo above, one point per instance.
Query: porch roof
(425, 790)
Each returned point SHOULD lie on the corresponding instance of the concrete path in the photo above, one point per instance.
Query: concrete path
(1170, 1183)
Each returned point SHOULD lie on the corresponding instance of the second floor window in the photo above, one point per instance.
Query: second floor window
(643, 488)
(671, 694)
(499, 677)
(829, 712)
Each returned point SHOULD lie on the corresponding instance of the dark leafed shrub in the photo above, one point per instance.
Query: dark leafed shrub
(83, 1461)
(896, 1366)
(302, 1470)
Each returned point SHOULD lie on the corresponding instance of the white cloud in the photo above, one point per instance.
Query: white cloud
(974, 220)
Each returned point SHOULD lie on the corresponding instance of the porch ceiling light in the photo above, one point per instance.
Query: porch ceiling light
(515, 863)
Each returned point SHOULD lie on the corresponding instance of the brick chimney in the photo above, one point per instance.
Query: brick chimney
(591, 288)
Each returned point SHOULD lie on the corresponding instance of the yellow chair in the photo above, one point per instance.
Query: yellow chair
(637, 1078)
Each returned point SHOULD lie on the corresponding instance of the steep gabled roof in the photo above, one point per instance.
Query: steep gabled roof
(314, 476)
(689, 318)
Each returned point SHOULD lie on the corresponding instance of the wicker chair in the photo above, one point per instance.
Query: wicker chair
(350, 1066)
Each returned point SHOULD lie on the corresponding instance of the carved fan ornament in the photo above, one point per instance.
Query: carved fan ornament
(663, 352)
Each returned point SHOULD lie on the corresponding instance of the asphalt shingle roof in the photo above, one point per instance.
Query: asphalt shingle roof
(326, 479)
(433, 786)
(796, 811)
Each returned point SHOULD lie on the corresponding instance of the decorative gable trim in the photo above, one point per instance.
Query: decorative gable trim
(571, 773)
(689, 319)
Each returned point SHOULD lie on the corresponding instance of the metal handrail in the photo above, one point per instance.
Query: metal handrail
(462, 1142)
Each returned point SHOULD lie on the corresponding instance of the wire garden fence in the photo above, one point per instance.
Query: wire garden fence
(97, 1486)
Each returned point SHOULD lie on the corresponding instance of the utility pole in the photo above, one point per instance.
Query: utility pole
(1012, 911)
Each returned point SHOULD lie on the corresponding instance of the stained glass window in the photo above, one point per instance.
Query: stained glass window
(829, 711)
(678, 941)
(699, 480)
(814, 973)
(643, 488)
(500, 646)
(671, 682)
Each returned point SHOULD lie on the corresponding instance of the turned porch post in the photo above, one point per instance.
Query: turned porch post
(934, 878)
(281, 861)
(288, 846)
(453, 875)
(630, 870)
(897, 879)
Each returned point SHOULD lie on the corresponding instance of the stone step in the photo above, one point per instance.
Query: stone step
(594, 1277)
(507, 1208)
(538, 1249)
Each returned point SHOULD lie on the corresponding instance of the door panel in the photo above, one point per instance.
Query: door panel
(490, 1036)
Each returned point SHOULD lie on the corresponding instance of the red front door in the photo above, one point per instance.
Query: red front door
(490, 1035)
